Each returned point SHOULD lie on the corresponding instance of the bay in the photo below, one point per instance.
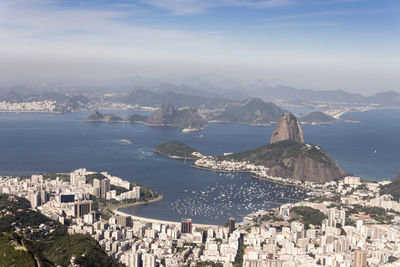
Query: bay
(42, 143)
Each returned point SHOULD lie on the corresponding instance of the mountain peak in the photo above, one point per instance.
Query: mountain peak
(287, 128)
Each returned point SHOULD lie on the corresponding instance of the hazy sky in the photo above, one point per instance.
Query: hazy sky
(318, 44)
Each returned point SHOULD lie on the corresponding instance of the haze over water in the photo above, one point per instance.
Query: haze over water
(41, 143)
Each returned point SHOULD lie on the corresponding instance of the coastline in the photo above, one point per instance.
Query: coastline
(360, 109)
(150, 220)
(174, 157)
(116, 211)
(126, 205)
(255, 177)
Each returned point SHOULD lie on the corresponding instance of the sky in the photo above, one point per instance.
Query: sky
(353, 45)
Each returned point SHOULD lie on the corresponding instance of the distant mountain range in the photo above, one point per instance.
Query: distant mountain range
(294, 95)
(200, 95)
(193, 92)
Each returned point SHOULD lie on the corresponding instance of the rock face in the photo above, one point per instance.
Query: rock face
(168, 115)
(99, 117)
(287, 128)
(288, 159)
(161, 116)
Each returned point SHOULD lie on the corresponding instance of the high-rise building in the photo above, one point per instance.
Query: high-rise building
(44, 197)
(35, 199)
(125, 221)
(105, 187)
(82, 208)
(135, 259)
(67, 198)
(186, 226)
(231, 225)
(360, 258)
(148, 260)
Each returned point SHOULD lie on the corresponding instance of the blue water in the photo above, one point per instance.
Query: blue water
(39, 143)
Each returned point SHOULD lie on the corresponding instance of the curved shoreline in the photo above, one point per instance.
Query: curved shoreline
(116, 211)
(126, 205)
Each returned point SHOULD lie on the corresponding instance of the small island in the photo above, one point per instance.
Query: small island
(189, 119)
(176, 149)
(96, 116)
(318, 117)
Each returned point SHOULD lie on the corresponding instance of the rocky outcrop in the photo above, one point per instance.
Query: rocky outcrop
(287, 156)
(162, 115)
(288, 159)
(287, 128)
(96, 116)
(168, 115)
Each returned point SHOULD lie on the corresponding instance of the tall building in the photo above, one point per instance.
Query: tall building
(125, 221)
(104, 187)
(96, 188)
(67, 198)
(82, 208)
(44, 197)
(148, 260)
(35, 199)
(186, 226)
(134, 259)
(360, 258)
(231, 225)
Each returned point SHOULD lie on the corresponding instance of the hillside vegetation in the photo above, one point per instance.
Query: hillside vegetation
(42, 241)
(175, 149)
(318, 117)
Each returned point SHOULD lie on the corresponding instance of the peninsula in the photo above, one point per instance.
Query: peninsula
(286, 158)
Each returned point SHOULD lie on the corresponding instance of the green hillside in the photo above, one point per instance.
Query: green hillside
(24, 242)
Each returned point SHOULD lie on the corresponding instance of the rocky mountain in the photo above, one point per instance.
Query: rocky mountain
(168, 115)
(252, 111)
(96, 116)
(287, 156)
(385, 99)
(287, 128)
(318, 117)
(289, 159)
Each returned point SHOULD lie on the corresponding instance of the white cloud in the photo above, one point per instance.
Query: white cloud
(185, 7)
